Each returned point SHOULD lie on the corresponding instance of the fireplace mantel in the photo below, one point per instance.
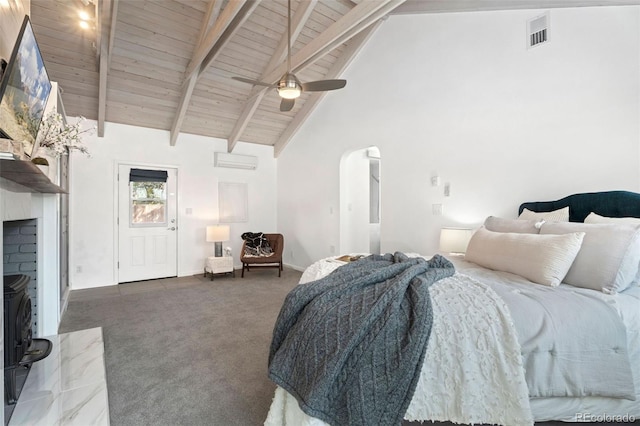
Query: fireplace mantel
(29, 176)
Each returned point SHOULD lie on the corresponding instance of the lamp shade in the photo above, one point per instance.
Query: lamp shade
(455, 240)
(217, 233)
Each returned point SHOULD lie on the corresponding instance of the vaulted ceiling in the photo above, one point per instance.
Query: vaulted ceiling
(168, 64)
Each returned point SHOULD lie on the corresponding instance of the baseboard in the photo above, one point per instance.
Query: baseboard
(191, 273)
(296, 267)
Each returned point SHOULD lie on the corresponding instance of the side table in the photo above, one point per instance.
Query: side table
(219, 265)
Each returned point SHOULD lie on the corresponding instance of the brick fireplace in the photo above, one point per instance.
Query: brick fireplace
(20, 256)
(31, 246)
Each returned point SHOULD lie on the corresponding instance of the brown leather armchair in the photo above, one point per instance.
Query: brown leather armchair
(276, 241)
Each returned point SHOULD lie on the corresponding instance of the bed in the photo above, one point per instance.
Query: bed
(541, 320)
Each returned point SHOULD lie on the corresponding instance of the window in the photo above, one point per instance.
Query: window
(148, 197)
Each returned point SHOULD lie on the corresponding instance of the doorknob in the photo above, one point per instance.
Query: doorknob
(173, 228)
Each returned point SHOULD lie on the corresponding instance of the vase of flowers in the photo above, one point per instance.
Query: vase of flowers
(56, 137)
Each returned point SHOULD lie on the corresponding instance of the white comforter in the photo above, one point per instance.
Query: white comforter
(472, 372)
(463, 384)
(573, 340)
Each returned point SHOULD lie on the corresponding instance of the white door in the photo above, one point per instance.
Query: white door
(147, 228)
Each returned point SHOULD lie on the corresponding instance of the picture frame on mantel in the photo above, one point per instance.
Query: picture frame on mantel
(22, 106)
(233, 202)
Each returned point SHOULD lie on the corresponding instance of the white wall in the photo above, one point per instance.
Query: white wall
(93, 197)
(459, 95)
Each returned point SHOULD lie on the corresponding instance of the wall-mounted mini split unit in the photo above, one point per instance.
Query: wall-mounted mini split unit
(235, 161)
(538, 31)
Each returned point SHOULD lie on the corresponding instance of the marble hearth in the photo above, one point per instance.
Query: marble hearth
(69, 387)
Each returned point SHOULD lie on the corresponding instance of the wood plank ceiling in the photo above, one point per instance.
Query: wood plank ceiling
(167, 64)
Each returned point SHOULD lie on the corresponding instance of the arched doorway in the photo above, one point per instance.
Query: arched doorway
(360, 201)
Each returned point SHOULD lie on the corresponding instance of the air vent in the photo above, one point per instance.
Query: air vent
(538, 31)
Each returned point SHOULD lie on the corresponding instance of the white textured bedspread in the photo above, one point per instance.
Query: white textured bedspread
(472, 371)
(574, 340)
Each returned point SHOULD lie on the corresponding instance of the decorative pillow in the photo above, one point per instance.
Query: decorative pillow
(519, 226)
(256, 244)
(609, 257)
(543, 259)
(596, 218)
(560, 215)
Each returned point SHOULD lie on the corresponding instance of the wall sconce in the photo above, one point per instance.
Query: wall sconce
(217, 234)
(455, 240)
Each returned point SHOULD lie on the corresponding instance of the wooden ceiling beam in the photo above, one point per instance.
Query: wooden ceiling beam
(210, 17)
(351, 50)
(227, 23)
(339, 32)
(348, 26)
(348, 35)
(223, 21)
(112, 29)
(106, 27)
(298, 21)
(240, 19)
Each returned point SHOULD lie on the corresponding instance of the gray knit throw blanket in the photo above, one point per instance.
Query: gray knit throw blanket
(349, 347)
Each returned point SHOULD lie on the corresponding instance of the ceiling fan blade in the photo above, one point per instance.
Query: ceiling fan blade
(287, 104)
(322, 85)
(254, 82)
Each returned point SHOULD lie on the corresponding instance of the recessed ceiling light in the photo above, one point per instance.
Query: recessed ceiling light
(84, 15)
(84, 25)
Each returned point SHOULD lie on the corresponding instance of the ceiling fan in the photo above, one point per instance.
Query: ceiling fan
(289, 87)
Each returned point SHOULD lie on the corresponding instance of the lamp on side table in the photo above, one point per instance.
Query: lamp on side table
(455, 240)
(217, 234)
(218, 264)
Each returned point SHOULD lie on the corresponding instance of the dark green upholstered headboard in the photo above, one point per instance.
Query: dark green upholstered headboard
(609, 204)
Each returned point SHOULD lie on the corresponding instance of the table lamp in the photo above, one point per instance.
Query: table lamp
(455, 240)
(217, 234)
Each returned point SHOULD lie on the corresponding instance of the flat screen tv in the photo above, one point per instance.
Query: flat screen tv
(24, 90)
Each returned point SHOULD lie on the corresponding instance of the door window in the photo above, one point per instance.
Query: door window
(148, 197)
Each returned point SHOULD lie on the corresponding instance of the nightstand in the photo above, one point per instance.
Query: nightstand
(219, 265)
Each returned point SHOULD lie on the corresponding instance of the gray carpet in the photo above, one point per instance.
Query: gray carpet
(188, 351)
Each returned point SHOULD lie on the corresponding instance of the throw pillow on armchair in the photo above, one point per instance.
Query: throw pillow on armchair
(256, 244)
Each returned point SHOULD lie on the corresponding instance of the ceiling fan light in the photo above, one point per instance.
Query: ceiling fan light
(289, 87)
(289, 92)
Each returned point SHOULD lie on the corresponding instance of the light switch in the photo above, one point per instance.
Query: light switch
(436, 209)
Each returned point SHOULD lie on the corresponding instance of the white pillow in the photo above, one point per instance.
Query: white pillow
(519, 226)
(560, 215)
(543, 259)
(596, 218)
(609, 257)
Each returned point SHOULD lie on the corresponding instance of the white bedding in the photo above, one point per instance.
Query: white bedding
(469, 402)
(588, 408)
(597, 408)
(472, 372)
(573, 341)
